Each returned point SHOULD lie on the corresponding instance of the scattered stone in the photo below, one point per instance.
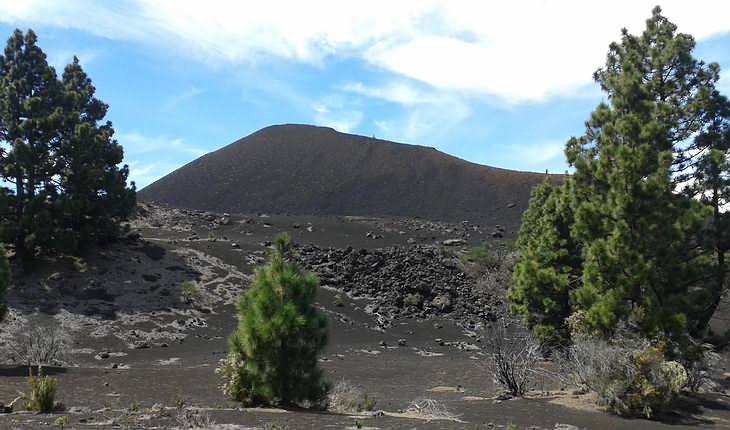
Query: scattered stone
(78, 410)
(419, 281)
(383, 344)
(402, 342)
(453, 242)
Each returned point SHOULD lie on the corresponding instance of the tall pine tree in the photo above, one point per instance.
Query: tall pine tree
(30, 120)
(58, 154)
(640, 256)
(643, 245)
(94, 197)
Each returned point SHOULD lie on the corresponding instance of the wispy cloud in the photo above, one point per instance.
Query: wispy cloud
(178, 99)
(60, 59)
(394, 92)
(144, 173)
(139, 144)
(535, 155)
(427, 113)
(513, 51)
(337, 112)
(152, 157)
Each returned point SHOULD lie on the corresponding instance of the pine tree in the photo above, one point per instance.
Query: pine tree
(640, 245)
(61, 158)
(709, 181)
(29, 122)
(273, 354)
(549, 263)
(94, 197)
(640, 257)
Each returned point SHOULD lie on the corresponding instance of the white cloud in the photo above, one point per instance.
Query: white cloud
(515, 51)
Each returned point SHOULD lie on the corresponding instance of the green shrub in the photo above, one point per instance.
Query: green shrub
(61, 421)
(273, 354)
(190, 293)
(42, 392)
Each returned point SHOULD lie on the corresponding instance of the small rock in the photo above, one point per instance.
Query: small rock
(79, 410)
(383, 344)
(453, 242)
(442, 302)
(235, 245)
(402, 342)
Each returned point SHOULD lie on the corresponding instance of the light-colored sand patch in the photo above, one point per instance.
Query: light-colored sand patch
(415, 416)
(424, 353)
(581, 402)
(169, 362)
(475, 398)
(444, 389)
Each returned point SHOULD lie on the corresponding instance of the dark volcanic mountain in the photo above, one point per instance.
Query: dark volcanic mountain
(300, 169)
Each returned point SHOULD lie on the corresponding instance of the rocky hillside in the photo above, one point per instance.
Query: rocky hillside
(307, 170)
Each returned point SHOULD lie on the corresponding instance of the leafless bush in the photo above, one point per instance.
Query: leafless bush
(589, 363)
(431, 409)
(629, 375)
(40, 346)
(344, 397)
(194, 419)
(514, 356)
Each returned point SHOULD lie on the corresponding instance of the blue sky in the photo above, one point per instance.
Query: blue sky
(498, 83)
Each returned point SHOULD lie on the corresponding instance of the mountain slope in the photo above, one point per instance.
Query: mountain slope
(299, 169)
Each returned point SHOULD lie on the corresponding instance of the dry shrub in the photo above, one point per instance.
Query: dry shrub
(513, 356)
(629, 376)
(40, 346)
(346, 397)
(430, 409)
(194, 419)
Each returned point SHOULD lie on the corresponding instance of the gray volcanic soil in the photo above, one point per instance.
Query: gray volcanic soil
(140, 343)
